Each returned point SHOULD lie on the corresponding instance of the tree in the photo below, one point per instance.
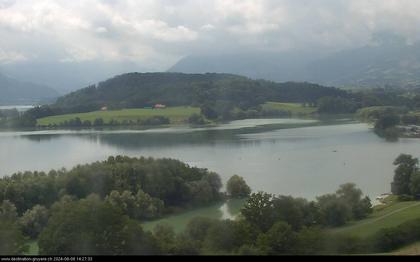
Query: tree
(351, 195)
(336, 105)
(310, 241)
(34, 220)
(245, 233)
(184, 245)
(126, 201)
(220, 237)
(147, 206)
(406, 167)
(198, 227)
(279, 240)
(12, 241)
(165, 238)
(237, 187)
(8, 211)
(333, 210)
(197, 119)
(415, 184)
(362, 209)
(98, 122)
(209, 112)
(258, 210)
(290, 210)
(93, 227)
(387, 121)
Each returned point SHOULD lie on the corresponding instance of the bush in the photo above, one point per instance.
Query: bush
(197, 119)
(156, 121)
(405, 198)
(389, 239)
(98, 122)
(237, 187)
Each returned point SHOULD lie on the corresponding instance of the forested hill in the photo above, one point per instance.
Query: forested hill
(135, 90)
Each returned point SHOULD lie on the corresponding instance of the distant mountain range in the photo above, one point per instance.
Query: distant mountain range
(371, 66)
(65, 77)
(13, 91)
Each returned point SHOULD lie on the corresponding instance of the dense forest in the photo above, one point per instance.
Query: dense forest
(97, 209)
(136, 90)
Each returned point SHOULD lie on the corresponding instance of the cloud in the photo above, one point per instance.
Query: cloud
(156, 33)
(11, 57)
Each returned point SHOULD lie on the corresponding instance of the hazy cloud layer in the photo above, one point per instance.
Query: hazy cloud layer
(155, 33)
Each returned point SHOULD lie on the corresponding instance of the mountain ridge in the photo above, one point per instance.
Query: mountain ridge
(391, 64)
(13, 91)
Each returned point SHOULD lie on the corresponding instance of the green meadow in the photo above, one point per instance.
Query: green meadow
(175, 114)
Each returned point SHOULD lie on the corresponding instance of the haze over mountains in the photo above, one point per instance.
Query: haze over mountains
(13, 91)
(387, 63)
(390, 64)
(65, 76)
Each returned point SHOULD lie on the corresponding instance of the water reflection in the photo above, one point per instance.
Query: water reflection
(303, 162)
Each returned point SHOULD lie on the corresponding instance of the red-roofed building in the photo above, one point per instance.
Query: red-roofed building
(159, 106)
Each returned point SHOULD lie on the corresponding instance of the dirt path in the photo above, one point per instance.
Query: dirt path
(391, 213)
(381, 217)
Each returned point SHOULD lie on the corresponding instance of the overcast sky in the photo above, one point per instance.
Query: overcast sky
(156, 33)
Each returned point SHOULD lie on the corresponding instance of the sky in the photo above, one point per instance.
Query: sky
(157, 33)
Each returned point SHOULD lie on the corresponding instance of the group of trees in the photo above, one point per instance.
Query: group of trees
(225, 111)
(12, 240)
(386, 119)
(91, 226)
(57, 207)
(97, 209)
(337, 105)
(10, 118)
(137, 90)
(99, 122)
(406, 182)
(345, 205)
(171, 181)
(268, 225)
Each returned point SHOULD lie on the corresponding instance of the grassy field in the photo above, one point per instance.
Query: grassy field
(294, 108)
(390, 215)
(413, 249)
(175, 114)
(33, 248)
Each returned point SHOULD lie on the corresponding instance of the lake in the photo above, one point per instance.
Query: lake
(302, 158)
(19, 108)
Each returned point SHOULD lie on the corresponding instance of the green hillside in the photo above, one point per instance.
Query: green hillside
(137, 90)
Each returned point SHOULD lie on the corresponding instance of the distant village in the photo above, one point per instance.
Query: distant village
(411, 131)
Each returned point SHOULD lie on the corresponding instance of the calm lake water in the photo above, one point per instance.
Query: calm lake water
(302, 158)
(19, 108)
